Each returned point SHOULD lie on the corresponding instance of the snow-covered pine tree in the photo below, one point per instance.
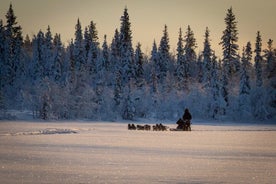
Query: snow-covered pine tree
(71, 76)
(214, 90)
(87, 42)
(14, 66)
(48, 53)
(154, 54)
(248, 58)
(207, 63)
(139, 70)
(126, 49)
(103, 73)
(180, 49)
(78, 47)
(259, 101)
(93, 46)
(180, 64)
(189, 54)
(27, 45)
(258, 60)
(116, 67)
(270, 57)
(164, 56)
(245, 88)
(229, 44)
(37, 68)
(57, 69)
(2, 67)
(115, 51)
(79, 59)
(105, 55)
(154, 58)
(2, 55)
(230, 48)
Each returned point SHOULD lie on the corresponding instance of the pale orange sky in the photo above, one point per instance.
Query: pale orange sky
(148, 18)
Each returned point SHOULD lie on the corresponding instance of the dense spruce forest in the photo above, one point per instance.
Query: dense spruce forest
(112, 81)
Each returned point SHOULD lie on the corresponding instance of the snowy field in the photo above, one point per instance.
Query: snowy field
(100, 152)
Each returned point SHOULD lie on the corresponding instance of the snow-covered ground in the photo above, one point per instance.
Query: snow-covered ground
(102, 152)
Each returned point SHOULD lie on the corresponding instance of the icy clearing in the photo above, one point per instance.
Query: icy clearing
(83, 152)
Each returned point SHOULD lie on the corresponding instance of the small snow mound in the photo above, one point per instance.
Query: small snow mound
(57, 131)
(48, 131)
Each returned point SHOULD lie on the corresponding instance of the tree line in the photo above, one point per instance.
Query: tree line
(113, 81)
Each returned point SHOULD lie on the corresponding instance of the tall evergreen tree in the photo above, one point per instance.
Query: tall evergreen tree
(79, 60)
(115, 51)
(248, 56)
(229, 44)
(87, 42)
(180, 49)
(105, 55)
(154, 58)
(180, 64)
(58, 64)
(48, 53)
(164, 56)
(2, 55)
(13, 48)
(2, 68)
(139, 70)
(126, 49)
(78, 47)
(37, 69)
(207, 63)
(270, 58)
(27, 45)
(258, 60)
(116, 67)
(230, 48)
(189, 53)
(154, 54)
(244, 81)
(259, 104)
(93, 48)
(189, 65)
(216, 106)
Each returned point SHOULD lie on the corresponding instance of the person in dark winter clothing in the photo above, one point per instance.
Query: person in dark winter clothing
(185, 122)
(187, 115)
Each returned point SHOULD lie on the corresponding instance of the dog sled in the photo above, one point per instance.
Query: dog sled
(182, 125)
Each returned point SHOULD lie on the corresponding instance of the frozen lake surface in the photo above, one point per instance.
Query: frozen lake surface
(83, 152)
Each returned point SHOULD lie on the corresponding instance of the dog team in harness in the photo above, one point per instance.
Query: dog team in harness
(183, 124)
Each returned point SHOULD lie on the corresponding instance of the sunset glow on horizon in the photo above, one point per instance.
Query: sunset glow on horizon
(147, 19)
